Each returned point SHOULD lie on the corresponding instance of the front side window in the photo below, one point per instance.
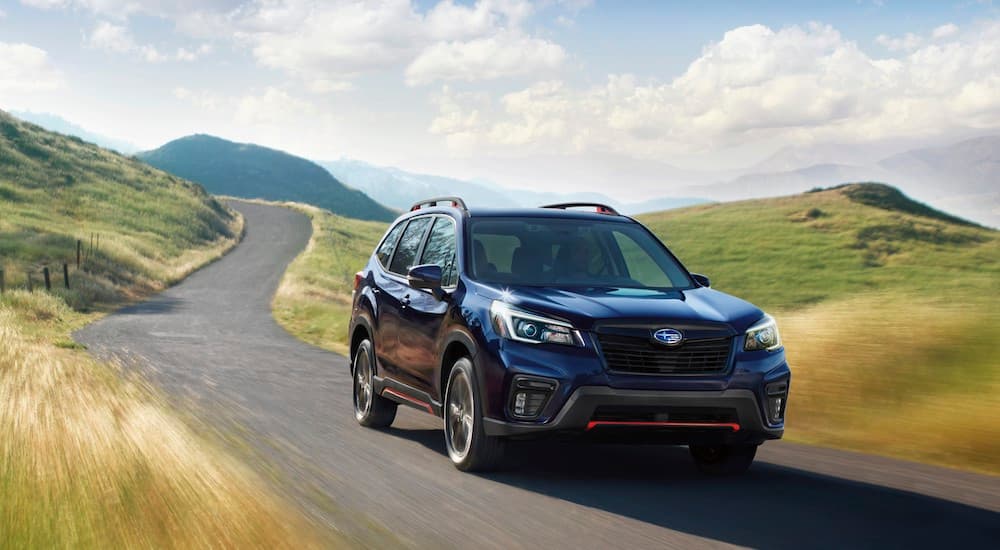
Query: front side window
(571, 253)
(409, 245)
(440, 250)
(388, 245)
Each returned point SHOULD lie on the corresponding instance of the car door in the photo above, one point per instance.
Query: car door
(384, 330)
(421, 318)
(394, 298)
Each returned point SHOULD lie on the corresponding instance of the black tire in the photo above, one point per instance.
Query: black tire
(723, 459)
(475, 451)
(370, 409)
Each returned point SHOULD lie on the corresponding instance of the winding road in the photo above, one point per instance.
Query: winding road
(211, 344)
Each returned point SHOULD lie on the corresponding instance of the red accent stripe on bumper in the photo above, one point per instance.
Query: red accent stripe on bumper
(414, 400)
(731, 425)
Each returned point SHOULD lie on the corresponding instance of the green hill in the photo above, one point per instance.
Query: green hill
(251, 171)
(889, 310)
(54, 189)
(91, 455)
(790, 252)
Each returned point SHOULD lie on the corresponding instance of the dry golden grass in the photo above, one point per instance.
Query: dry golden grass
(913, 379)
(91, 458)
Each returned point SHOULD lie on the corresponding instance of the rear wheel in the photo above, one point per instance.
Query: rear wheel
(469, 448)
(370, 409)
(723, 459)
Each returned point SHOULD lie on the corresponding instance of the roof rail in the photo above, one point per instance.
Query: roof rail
(457, 202)
(601, 208)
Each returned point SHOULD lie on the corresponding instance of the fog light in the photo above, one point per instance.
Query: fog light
(777, 398)
(519, 400)
(529, 395)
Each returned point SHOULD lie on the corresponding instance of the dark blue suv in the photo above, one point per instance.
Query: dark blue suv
(515, 324)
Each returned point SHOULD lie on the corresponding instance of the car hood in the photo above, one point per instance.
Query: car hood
(592, 307)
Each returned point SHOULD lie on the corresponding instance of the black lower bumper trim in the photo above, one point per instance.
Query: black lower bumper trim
(577, 416)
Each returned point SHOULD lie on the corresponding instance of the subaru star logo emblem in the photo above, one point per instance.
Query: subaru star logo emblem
(668, 336)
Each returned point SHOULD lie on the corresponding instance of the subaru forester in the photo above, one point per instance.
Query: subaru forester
(556, 321)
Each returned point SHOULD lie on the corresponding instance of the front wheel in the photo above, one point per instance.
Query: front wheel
(723, 459)
(370, 409)
(469, 448)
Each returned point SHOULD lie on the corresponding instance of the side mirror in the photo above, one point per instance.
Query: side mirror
(427, 276)
(701, 280)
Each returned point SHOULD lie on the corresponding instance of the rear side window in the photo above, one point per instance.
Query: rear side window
(440, 250)
(384, 251)
(409, 245)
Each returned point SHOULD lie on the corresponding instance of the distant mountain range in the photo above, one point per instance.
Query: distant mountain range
(400, 189)
(961, 177)
(55, 123)
(251, 171)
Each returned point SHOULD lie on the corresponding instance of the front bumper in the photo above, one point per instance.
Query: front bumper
(577, 416)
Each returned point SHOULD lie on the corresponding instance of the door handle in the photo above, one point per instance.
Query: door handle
(405, 301)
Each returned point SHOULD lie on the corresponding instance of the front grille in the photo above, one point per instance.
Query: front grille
(641, 356)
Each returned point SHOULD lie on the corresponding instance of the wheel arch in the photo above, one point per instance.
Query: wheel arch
(457, 345)
(362, 330)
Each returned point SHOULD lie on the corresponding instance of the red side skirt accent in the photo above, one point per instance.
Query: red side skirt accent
(422, 404)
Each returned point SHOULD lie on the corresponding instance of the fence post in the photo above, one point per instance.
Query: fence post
(31, 285)
(79, 245)
(2, 288)
(45, 274)
(66, 274)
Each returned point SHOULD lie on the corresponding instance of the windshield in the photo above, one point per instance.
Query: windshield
(571, 253)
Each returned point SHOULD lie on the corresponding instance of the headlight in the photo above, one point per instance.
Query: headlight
(764, 335)
(522, 326)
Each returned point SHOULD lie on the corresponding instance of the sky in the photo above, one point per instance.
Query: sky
(518, 92)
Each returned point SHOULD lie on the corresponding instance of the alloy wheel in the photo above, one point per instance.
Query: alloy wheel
(459, 417)
(362, 385)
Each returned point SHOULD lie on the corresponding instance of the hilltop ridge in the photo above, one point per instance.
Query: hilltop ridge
(255, 172)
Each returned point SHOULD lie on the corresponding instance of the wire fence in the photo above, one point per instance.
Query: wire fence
(44, 275)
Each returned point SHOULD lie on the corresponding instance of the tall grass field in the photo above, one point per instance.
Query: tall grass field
(89, 456)
(888, 309)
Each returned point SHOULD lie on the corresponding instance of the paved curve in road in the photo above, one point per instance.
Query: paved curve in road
(211, 344)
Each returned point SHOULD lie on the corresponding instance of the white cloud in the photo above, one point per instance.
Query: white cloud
(334, 41)
(3, 14)
(116, 38)
(501, 55)
(945, 31)
(274, 106)
(25, 69)
(327, 43)
(323, 86)
(203, 99)
(794, 84)
(110, 37)
(907, 42)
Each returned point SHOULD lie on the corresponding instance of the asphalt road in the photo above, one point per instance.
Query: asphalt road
(212, 345)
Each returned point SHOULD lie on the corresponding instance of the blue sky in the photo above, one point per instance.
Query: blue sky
(516, 91)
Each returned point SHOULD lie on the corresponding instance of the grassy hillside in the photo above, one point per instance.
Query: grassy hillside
(889, 310)
(153, 227)
(795, 251)
(91, 456)
(251, 171)
(314, 299)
